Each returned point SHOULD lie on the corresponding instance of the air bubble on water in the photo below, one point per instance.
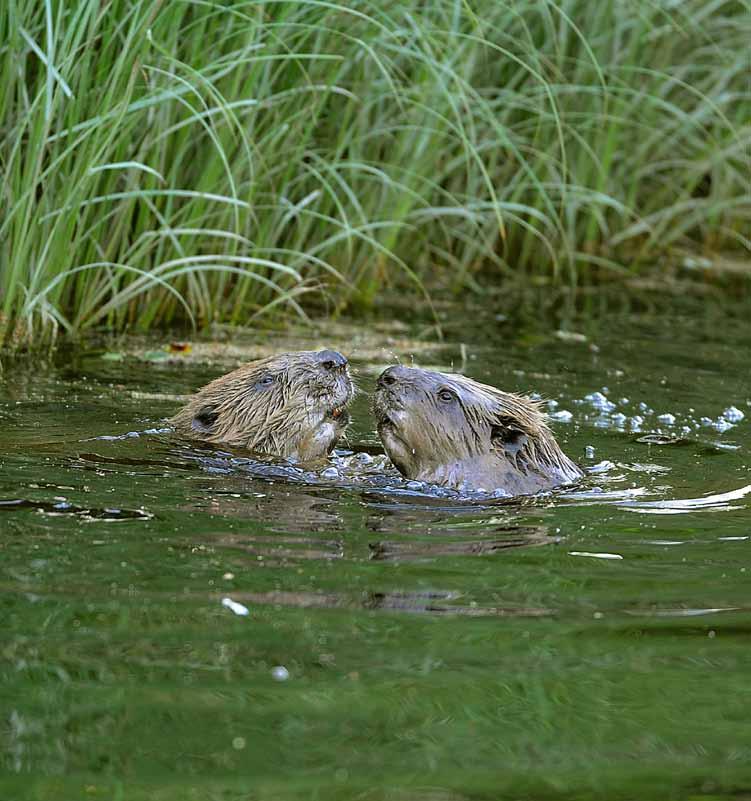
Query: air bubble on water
(364, 458)
(706, 421)
(733, 414)
(563, 416)
(619, 419)
(623, 401)
(552, 404)
(279, 673)
(599, 401)
(330, 472)
(595, 397)
(416, 486)
(666, 419)
(535, 396)
(721, 425)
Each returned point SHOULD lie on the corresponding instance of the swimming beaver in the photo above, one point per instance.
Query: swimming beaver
(292, 405)
(451, 430)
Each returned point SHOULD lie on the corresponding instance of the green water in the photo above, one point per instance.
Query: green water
(433, 649)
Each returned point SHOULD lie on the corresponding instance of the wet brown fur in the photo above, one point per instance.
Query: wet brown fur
(483, 438)
(281, 405)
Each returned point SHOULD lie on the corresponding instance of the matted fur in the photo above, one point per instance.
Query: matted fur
(448, 429)
(291, 405)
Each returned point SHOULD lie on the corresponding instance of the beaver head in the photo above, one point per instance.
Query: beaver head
(451, 430)
(292, 405)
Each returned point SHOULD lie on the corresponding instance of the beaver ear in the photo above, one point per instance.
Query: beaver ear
(204, 419)
(508, 438)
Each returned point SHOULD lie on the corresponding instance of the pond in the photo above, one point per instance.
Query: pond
(589, 643)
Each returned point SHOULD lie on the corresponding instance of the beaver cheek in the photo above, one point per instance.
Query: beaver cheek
(319, 442)
(398, 453)
(346, 388)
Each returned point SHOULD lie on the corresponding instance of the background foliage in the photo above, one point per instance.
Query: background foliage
(215, 160)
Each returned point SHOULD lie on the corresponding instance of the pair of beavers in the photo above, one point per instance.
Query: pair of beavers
(436, 427)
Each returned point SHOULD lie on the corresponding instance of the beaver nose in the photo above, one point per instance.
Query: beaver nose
(331, 360)
(390, 376)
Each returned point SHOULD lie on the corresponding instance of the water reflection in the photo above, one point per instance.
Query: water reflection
(486, 543)
(718, 502)
(429, 602)
(62, 507)
(283, 510)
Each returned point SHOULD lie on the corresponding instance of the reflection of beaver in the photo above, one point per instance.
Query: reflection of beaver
(451, 430)
(291, 405)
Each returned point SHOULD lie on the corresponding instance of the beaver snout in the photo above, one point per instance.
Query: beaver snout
(331, 360)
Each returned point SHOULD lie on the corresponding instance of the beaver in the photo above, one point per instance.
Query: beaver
(451, 430)
(292, 405)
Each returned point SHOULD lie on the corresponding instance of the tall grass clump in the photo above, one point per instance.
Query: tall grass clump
(172, 160)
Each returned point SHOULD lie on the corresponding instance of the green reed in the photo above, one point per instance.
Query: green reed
(176, 160)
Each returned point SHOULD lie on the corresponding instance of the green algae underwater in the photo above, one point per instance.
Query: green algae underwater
(588, 644)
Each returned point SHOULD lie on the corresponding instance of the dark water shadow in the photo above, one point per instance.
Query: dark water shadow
(60, 508)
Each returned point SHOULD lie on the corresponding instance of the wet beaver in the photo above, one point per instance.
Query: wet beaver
(292, 405)
(451, 430)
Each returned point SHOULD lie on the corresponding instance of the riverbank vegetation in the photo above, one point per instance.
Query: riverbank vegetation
(199, 160)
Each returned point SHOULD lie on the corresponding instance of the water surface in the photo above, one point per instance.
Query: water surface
(592, 643)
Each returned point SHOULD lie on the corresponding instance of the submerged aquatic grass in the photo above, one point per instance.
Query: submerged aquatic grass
(199, 160)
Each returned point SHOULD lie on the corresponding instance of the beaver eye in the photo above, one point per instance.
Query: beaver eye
(446, 396)
(266, 380)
